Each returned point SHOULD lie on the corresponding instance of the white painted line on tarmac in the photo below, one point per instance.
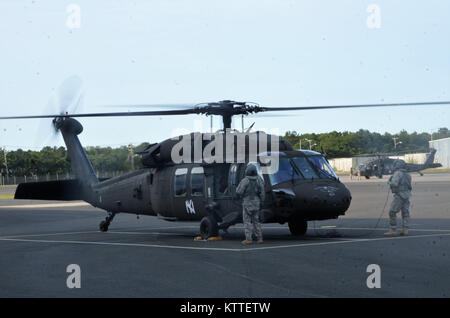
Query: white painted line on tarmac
(224, 249)
(90, 232)
(48, 205)
(350, 241)
(148, 233)
(46, 234)
(385, 229)
(186, 234)
(124, 244)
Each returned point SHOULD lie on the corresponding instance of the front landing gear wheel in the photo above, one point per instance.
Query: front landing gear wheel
(208, 227)
(298, 226)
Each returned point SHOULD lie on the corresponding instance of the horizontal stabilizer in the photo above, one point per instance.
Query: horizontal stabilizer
(64, 190)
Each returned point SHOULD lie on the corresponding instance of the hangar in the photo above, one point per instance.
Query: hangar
(443, 151)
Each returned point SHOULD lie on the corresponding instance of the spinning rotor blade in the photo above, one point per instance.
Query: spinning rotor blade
(267, 109)
(224, 108)
(160, 106)
(114, 114)
(68, 98)
(70, 95)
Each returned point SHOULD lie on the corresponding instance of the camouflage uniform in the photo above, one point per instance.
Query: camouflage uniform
(400, 184)
(251, 189)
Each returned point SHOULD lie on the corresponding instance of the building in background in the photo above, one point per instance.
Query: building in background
(443, 151)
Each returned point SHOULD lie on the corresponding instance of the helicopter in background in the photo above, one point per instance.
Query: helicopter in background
(303, 187)
(384, 165)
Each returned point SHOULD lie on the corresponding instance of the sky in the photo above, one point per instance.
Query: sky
(273, 52)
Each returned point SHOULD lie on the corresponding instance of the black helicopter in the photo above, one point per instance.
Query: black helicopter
(383, 165)
(303, 186)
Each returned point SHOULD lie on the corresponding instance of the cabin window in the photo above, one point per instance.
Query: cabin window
(221, 174)
(197, 181)
(180, 182)
(233, 175)
(150, 179)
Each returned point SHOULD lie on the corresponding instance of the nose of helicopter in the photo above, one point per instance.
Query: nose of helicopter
(322, 199)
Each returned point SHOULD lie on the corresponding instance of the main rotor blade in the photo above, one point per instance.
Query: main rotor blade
(117, 114)
(162, 106)
(201, 110)
(266, 109)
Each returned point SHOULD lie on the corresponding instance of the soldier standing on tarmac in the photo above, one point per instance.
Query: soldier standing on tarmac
(400, 184)
(251, 190)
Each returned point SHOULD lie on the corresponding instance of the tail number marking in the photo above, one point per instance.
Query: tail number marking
(190, 207)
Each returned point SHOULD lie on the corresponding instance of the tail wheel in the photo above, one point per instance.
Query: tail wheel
(298, 226)
(208, 227)
(104, 226)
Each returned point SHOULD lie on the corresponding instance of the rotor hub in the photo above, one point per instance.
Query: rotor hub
(227, 109)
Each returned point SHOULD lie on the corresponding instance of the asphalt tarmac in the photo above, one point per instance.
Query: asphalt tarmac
(148, 257)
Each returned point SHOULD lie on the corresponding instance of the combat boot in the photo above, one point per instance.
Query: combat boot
(404, 231)
(392, 232)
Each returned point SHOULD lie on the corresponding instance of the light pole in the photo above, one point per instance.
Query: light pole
(131, 155)
(310, 145)
(396, 142)
(6, 164)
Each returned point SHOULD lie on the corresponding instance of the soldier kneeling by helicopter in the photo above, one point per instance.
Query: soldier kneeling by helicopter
(251, 190)
(400, 183)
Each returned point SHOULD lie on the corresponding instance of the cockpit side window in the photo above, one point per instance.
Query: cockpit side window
(285, 172)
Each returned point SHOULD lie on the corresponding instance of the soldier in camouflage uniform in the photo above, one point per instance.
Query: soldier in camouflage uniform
(400, 184)
(251, 190)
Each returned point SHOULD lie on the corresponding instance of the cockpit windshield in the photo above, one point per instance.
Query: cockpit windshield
(323, 167)
(304, 167)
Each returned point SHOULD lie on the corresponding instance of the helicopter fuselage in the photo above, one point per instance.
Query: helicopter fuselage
(184, 192)
(299, 185)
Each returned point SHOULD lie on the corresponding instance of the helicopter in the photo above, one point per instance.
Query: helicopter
(178, 184)
(383, 165)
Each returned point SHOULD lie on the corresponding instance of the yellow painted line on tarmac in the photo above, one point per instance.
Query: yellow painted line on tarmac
(6, 196)
(48, 205)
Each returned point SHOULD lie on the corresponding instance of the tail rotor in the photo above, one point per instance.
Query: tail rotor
(68, 99)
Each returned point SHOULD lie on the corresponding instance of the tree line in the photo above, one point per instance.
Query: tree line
(106, 159)
(52, 160)
(347, 144)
